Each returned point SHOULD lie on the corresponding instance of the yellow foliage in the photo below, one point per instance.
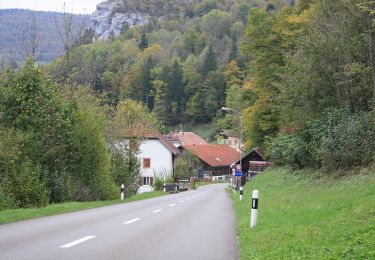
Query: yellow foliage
(232, 73)
(152, 50)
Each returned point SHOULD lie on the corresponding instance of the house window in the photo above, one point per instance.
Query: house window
(146, 162)
(148, 181)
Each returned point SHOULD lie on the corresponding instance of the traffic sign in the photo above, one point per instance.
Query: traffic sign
(238, 173)
(238, 167)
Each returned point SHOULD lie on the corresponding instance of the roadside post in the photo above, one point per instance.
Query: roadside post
(254, 208)
(122, 191)
(164, 187)
(238, 175)
(241, 193)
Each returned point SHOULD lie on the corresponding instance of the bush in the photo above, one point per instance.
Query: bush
(6, 200)
(340, 139)
(350, 143)
(158, 183)
(289, 150)
(27, 188)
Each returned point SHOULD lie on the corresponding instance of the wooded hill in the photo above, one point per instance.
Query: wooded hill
(288, 68)
(20, 27)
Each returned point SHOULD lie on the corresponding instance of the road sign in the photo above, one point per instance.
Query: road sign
(238, 167)
(238, 173)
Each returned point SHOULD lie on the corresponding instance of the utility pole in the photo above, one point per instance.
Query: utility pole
(240, 142)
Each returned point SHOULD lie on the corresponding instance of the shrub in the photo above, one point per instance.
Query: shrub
(340, 139)
(6, 200)
(350, 143)
(289, 150)
(158, 183)
(27, 188)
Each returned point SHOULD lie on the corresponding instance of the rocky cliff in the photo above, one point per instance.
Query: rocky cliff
(112, 16)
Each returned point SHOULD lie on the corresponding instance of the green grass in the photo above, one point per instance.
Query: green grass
(305, 216)
(13, 215)
(206, 131)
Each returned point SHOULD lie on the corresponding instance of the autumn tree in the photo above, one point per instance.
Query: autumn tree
(58, 144)
(130, 124)
(264, 46)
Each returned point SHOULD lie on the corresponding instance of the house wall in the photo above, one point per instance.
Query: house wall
(217, 173)
(253, 156)
(161, 161)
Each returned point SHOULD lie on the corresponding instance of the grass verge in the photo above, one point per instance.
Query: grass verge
(303, 216)
(13, 215)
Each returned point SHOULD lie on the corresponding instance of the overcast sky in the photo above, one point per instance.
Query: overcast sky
(72, 6)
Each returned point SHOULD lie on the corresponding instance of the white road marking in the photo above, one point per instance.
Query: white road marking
(172, 205)
(181, 201)
(79, 241)
(157, 211)
(131, 221)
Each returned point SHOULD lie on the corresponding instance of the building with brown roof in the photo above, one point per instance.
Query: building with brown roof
(184, 138)
(216, 159)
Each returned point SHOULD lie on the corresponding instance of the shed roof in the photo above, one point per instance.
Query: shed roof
(214, 155)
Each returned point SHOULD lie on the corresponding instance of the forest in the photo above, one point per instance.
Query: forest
(301, 73)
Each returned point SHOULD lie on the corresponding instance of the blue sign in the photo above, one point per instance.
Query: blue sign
(238, 173)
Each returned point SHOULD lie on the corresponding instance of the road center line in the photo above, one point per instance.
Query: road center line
(157, 211)
(172, 205)
(131, 221)
(79, 241)
(181, 201)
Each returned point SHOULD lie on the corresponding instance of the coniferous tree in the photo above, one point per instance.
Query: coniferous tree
(143, 44)
(175, 91)
(160, 100)
(209, 61)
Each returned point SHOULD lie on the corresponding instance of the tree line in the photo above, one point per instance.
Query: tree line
(312, 83)
(302, 76)
(56, 146)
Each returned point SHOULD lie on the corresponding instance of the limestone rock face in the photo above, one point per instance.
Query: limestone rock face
(110, 17)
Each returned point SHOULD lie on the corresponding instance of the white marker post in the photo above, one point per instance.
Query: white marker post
(122, 191)
(254, 209)
(164, 187)
(241, 193)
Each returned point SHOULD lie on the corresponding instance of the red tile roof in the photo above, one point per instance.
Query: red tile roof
(186, 138)
(214, 155)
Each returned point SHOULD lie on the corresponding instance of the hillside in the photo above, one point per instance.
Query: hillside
(17, 30)
(302, 215)
(298, 77)
(115, 16)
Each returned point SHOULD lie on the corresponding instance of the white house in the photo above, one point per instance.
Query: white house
(157, 156)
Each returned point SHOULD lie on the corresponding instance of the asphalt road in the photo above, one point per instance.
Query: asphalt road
(188, 225)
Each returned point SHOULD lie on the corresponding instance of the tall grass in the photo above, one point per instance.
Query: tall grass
(306, 216)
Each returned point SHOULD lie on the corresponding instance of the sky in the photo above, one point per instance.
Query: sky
(72, 6)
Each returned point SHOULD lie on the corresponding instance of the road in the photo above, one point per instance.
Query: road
(188, 225)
